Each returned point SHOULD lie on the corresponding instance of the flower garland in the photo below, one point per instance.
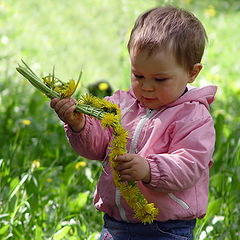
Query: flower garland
(144, 211)
(109, 115)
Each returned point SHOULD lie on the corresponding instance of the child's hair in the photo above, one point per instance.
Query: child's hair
(175, 28)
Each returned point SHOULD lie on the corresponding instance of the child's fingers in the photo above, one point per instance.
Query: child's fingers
(54, 101)
(63, 104)
(68, 113)
(62, 107)
(124, 158)
(123, 166)
(128, 175)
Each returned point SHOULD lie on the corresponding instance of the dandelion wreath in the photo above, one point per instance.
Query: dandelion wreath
(109, 115)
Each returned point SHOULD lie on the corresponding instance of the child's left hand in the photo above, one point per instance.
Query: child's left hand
(133, 167)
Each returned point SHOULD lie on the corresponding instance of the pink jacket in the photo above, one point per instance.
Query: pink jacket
(178, 142)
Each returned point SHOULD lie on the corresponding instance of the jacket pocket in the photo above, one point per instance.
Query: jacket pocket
(179, 201)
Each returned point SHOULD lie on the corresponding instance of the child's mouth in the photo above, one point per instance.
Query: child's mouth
(148, 99)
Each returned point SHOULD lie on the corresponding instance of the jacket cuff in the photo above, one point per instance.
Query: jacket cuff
(155, 174)
(83, 133)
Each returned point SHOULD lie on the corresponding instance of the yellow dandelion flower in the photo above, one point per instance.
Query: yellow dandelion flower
(80, 164)
(119, 141)
(114, 108)
(103, 86)
(109, 120)
(86, 99)
(113, 164)
(101, 103)
(47, 80)
(116, 178)
(149, 208)
(35, 164)
(115, 152)
(210, 11)
(119, 130)
(57, 89)
(69, 89)
(50, 180)
(26, 122)
(129, 193)
(186, 1)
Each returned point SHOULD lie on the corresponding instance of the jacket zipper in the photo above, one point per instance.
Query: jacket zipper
(136, 134)
(179, 201)
(133, 148)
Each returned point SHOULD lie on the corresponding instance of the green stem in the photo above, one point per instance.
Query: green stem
(37, 83)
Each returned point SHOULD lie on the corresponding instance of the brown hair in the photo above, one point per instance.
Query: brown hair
(171, 27)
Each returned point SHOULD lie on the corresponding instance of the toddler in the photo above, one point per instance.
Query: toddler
(171, 130)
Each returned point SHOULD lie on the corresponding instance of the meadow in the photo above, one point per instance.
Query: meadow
(46, 189)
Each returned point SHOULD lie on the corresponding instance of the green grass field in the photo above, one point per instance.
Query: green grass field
(46, 189)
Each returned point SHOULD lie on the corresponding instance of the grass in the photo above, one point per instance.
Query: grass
(46, 190)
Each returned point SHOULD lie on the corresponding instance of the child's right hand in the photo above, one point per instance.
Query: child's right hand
(65, 109)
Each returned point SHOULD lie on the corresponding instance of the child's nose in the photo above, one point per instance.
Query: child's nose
(147, 85)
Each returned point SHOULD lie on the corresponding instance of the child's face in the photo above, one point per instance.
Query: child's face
(157, 79)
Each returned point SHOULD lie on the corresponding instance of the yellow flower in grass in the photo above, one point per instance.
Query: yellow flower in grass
(50, 180)
(35, 164)
(210, 11)
(103, 86)
(80, 164)
(26, 122)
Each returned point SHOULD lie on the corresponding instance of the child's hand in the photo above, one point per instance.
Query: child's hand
(65, 109)
(133, 167)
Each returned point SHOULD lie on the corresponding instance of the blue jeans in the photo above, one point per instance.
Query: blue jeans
(172, 229)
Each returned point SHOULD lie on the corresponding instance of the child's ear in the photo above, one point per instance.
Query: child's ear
(193, 73)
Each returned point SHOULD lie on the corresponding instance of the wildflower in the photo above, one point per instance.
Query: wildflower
(119, 130)
(210, 11)
(47, 80)
(115, 152)
(119, 141)
(50, 180)
(69, 89)
(35, 164)
(109, 120)
(187, 1)
(103, 86)
(26, 122)
(86, 99)
(80, 164)
(116, 179)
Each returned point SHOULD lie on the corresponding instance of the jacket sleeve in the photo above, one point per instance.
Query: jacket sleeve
(92, 141)
(190, 153)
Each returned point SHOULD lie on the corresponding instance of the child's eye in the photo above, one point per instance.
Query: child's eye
(138, 76)
(161, 79)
